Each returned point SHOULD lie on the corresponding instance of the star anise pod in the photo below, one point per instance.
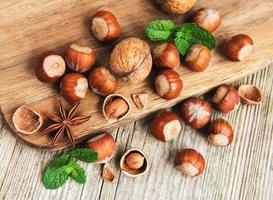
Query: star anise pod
(63, 123)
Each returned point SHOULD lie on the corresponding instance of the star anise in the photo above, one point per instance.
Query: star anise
(64, 123)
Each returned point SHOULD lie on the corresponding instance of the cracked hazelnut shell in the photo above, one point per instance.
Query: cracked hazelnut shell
(250, 94)
(166, 126)
(196, 112)
(131, 60)
(176, 6)
(26, 120)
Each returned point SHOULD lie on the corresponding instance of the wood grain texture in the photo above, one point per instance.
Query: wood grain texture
(243, 170)
(31, 27)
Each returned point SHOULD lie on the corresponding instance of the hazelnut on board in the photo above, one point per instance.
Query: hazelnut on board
(176, 6)
(131, 60)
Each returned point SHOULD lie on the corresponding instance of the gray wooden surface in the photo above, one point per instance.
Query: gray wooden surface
(244, 170)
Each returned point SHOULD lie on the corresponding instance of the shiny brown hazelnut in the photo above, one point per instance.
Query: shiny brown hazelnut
(198, 58)
(168, 84)
(196, 112)
(134, 160)
(166, 55)
(79, 58)
(102, 81)
(176, 6)
(104, 144)
(131, 60)
(26, 120)
(250, 94)
(220, 133)
(105, 26)
(50, 67)
(239, 47)
(226, 99)
(74, 86)
(189, 162)
(166, 126)
(115, 107)
(208, 19)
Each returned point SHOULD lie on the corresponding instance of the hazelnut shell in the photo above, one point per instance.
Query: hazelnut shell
(176, 6)
(250, 94)
(133, 172)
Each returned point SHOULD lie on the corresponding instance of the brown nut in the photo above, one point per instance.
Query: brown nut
(168, 84)
(131, 60)
(250, 94)
(104, 144)
(220, 133)
(102, 81)
(166, 126)
(105, 26)
(79, 58)
(196, 112)
(208, 19)
(239, 47)
(226, 99)
(137, 160)
(50, 67)
(26, 120)
(115, 108)
(108, 173)
(189, 162)
(74, 86)
(176, 6)
(166, 55)
(198, 58)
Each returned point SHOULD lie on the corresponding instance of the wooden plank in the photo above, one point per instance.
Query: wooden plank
(35, 27)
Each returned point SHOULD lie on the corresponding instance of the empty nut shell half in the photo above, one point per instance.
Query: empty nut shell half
(115, 107)
(250, 94)
(26, 120)
(134, 171)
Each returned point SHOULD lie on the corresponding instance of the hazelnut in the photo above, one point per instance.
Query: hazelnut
(26, 120)
(176, 6)
(220, 133)
(134, 163)
(131, 60)
(239, 47)
(74, 86)
(208, 19)
(105, 26)
(79, 58)
(50, 67)
(104, 144)
(115, 108)
(166, 55)
(140, 100)
(226, 99)
(168, 84)
(102, 81)
(108, 173)
(134, 160)
(196, 112)
(189, 162)
(166, 126)
(198, 58)
(250, 94)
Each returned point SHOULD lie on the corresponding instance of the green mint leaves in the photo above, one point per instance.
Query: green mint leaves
(160, 30)
(64, 166)
(184, 36)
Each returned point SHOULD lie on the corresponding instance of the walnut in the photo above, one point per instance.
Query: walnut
(176, 6)
(131, 60)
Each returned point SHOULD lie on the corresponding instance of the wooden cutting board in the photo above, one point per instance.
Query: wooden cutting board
(30, 27)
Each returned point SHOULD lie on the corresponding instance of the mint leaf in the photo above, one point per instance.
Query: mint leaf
(160, 30)
(84, 154)
(55, 177)
(78, 173)
(60, 161)
(189, 34)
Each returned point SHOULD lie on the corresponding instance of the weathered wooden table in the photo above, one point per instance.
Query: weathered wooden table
(243, 170)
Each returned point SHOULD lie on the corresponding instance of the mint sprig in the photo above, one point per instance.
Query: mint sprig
(59, 169)
(160, 30)
(184, 36)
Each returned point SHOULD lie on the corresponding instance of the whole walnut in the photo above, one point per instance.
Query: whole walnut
(176, 6)
(131, 60)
